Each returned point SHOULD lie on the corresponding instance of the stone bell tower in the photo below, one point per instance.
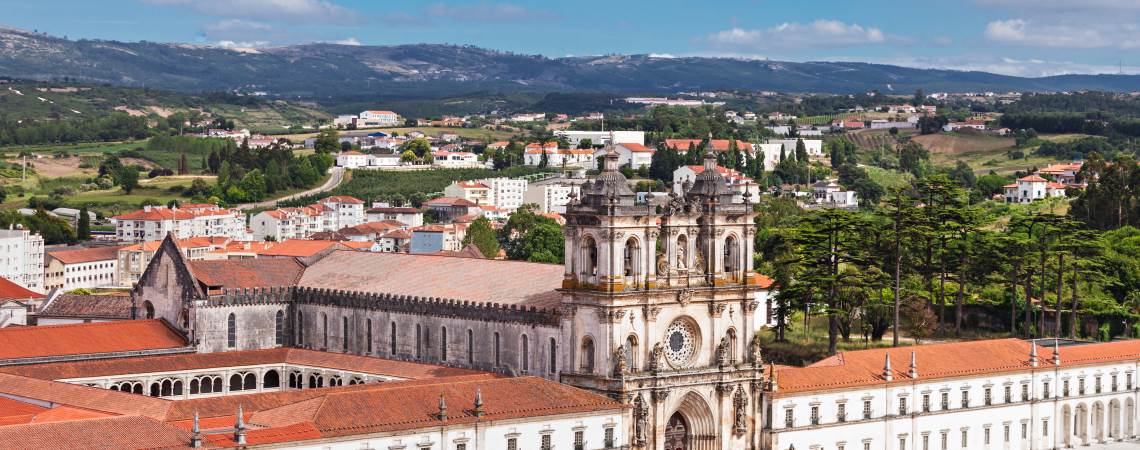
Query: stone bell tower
(660, 307)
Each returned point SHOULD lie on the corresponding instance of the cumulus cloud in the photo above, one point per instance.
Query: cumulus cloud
(291, 11)
(486, 12)
(820, 33)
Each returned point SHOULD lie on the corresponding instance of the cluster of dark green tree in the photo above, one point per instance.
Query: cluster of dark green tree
(116, 126)
(916, 263)
(1112, 198)
(53, 229)
(250, 175)
(527, 236)
(1079, 149)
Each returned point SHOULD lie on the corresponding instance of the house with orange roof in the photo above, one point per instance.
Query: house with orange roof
(16, 302)
(407, 215)
(629, 154)
(472, 191)
(456, 159)
(87, 268)
(153, 223)
(1004, 393)
(1031, 188)
(1064, 173)
(327, 214)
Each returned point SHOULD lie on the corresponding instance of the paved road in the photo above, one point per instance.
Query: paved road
(335, 178)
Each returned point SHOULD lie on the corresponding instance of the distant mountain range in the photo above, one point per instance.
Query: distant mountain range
(322, 71)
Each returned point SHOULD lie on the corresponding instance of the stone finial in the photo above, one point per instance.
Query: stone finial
(773, 382)
(1056, 352)
(888, 374)
(1033, 353)
(478, 411)
(913, 371)
(196, 433)
(239, 427)
(442, 408)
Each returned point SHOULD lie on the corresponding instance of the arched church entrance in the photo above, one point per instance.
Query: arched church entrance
(691, 427)
(677, 433)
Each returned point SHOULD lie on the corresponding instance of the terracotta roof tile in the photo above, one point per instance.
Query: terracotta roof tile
(86, 255)
(478, 280)
(89, 306)
(245, 273)
(87, 338)
(13, 291)
(112, 433)
(298, 247)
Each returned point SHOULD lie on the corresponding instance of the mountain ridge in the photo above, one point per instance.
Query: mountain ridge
(325, 70)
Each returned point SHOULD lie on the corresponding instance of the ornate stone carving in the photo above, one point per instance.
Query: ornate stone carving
(719, 232)
(620, 363)
(569, 310)
(655, 357)
(651, 312)
(682, 253)
(722, 352)
(641, 419)
(740, 415)
(717, 309)
(660, 394)
(699, 264)
(613, 316)
(750, 306)
(684, 296)
(754, 350)
(662, 264)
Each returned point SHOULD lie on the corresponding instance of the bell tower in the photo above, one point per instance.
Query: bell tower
(659, 308)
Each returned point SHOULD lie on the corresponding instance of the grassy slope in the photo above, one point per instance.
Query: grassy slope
(982, 152)
(72, 101)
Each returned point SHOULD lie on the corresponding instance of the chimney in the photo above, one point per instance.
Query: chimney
(239, 428)
(478, 411)
(887, 372)
(196, 433)
(442, 408)
(1056, 353)
(1033, 353)
(913, 372)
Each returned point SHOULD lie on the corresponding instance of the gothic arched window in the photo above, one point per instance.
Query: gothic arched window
(368, 335)
(231, 331)
(300, 328)
(279, 327)
(443, 344)
(470, 347)
(324, 331)
(392, 340)
(525, 353)
(630, 349)
(587, 355)
(731, 256)
(632, 259)
(590, 255)
(553, 366)
(496, 349)
(344, 334)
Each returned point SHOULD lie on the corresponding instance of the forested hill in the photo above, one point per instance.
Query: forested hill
(424, 70)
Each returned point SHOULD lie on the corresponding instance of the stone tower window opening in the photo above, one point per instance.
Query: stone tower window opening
(587, 355)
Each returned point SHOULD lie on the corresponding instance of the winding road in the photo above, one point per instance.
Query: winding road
(336, 176)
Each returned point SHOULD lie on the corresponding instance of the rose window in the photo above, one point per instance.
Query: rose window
(680, 343)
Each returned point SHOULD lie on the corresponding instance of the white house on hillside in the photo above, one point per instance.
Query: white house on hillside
(1030, 188)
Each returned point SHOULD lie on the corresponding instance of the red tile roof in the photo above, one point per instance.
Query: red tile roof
(449, 201)
(478, 280)
(89, 307)
(342, 199)
(946, 360)
(111, 433)
(87, 338)
(244, 273)
(13, 291)
(85, 255)
(1033, 179)
(300, 248)
(720, 145)
(637, 148)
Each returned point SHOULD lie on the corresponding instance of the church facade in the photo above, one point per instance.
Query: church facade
(656, 306)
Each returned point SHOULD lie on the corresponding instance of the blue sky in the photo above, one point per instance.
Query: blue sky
(1017, 37)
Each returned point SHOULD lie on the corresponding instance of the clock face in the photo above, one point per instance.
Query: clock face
(680, 343)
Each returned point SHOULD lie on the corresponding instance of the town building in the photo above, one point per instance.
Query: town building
(407, 215)
(16, 302)
(472, 191)
(447, 209)
(631, 155)
(1031, 188)
(153, 223)
(814, 147)
(601, 138)
(326, 215)
(998, 394)
(86, 268)
(22, 261)
(739, 185)
(132, 260)
(550, 197)
(829, 194)
(456, 159)
(1064, 173)
(559, 157)
(352, 159)
(378, 119)
(430, 239)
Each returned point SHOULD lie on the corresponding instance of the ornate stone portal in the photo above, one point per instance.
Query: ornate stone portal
(690, 372)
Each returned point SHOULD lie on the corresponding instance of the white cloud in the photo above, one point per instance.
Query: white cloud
(291, 11)
(486, 12)
(1059, 34)
(348, 41)
(820, 33)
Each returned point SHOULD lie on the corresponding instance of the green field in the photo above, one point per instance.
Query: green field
(80, 149)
